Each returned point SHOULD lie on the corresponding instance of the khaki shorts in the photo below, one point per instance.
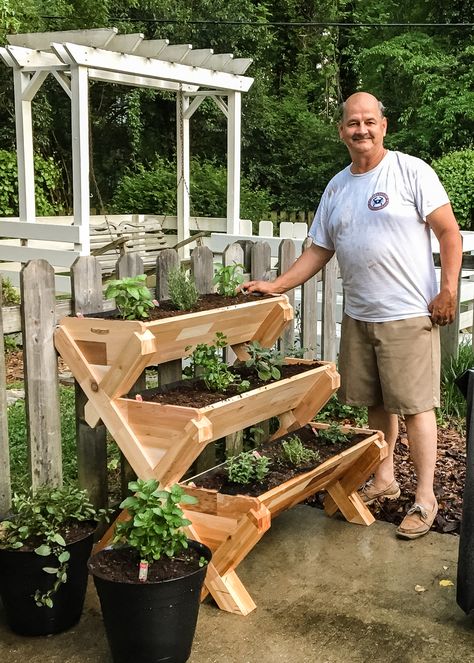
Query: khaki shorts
(395, 364)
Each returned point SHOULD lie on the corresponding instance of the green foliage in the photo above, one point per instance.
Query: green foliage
(456, 172)
(152, 189)
(334, 409)
(295, 453)
(182, 289)
(132, 297)
(228, 278)
(207, 363)
(265, 361)
(333, 433)
(155, 527)
(41, 519)
(247, 466)
(47, 181)
(10, 295)
(453, 403)
(18, 444)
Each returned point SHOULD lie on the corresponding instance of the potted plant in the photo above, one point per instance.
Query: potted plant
(44, 547)
(149, 580)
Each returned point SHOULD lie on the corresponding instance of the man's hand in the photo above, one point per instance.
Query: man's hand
(443, 308)
(264, 287)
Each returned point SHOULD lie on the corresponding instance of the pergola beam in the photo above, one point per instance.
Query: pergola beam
(41, 41)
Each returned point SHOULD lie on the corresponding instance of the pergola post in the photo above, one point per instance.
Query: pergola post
(80, 153)
(233, 162)
(183, 170)
(24, 142)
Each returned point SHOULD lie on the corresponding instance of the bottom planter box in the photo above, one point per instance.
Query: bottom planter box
(231, 525)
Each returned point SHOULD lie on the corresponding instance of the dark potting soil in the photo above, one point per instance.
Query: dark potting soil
(166, 308)
(71, 532)
(279, 470)
(194, 393)
(122, 565)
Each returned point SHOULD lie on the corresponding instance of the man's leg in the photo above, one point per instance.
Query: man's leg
(422, 438)
(386, 422)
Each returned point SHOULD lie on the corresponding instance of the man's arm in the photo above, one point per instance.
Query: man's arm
(444, 226)
(308, 264)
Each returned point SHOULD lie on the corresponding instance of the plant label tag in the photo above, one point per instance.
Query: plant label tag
(139, 398)
(143, 571)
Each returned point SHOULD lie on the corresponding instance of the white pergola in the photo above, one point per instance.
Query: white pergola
(77, 56)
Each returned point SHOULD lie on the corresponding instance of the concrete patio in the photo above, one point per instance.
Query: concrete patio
(326, 592)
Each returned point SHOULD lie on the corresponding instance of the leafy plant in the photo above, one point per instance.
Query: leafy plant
(155, 526)
(334, 409)
(453, 403)
(40, 521)
(295, 453)
(207, 363)
(182, 289)
(132, 297)
(247, 466)
(227, 278)
(265, 361)
(10, 296)
(333, 433)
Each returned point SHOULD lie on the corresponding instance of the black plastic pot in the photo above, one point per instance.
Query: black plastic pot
(151, 622)
(21, 574)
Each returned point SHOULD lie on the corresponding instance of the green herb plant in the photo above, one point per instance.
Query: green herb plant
(293, 452)
(182, 289)
(266, 362)
(333, 433)
(247, 466)
(132, 297)
(208, 364)
(40, 521)
(227, 278)
(155, 526)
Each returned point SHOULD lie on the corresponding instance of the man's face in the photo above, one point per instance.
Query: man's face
(362, 128)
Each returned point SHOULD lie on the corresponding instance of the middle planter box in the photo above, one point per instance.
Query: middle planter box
(170, 437)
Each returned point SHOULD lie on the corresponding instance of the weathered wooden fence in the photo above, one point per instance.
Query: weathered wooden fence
(316, 331)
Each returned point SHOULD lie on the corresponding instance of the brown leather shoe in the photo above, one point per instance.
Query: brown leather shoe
(417, 522)
(369, 494)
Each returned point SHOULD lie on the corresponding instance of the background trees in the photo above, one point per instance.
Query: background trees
(308, 55)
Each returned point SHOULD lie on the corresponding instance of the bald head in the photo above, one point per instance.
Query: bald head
(362, 100)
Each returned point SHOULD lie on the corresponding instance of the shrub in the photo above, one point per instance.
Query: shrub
(456, 172)
(182, 289)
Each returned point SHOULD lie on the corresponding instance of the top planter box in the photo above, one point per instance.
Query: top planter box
(127, 347)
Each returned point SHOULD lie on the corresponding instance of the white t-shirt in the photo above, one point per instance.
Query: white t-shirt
(376, 224)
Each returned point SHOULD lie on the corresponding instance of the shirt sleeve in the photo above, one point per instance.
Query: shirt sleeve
(319, 231)
(428, 191)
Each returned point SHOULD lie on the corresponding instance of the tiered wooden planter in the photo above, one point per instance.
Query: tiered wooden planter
(161, 441)
(231, 525)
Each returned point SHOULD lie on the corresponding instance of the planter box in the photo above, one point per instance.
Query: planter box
(170, 437)
(117, 351)
(231, 525)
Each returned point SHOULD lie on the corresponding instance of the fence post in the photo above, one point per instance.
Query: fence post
(168, 259)
(308, 313)
(328, 340)
(286, 257)
(5, 478)
(86, 293)
(43, 421)
(130, 264)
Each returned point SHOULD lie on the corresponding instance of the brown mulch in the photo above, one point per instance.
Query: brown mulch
(449, 481)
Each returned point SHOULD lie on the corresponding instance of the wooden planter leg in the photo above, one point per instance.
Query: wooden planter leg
(342, 493)
(221, 580)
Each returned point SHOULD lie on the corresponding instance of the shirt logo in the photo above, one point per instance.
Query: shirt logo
(378, 201)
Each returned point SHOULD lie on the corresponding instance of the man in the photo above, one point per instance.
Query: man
(376, 215)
